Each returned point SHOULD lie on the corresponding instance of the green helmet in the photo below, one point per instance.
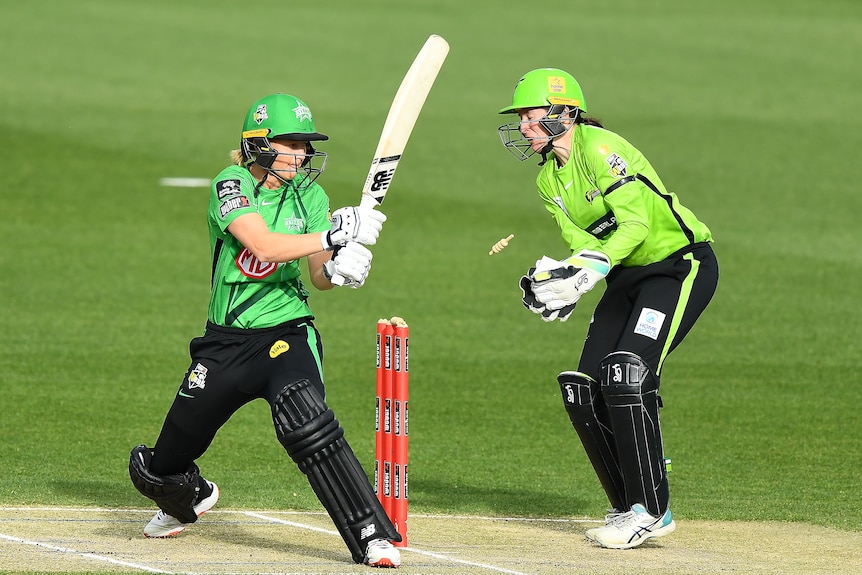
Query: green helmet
(282, 116)
(286, 117)
(544, 88)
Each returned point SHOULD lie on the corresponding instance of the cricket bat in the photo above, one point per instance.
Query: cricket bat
(400, 121)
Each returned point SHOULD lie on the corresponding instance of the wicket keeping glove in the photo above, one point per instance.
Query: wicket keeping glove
(561, 284)
(352, 262)
(355, 224)
(532, 304)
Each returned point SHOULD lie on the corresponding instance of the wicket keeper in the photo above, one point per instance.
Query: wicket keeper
(621, 225)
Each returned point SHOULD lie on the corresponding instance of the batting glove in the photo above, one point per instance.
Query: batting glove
(559, 285)
(355, 224)
(352, 262)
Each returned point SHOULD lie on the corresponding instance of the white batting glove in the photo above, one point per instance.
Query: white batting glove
(352, 262)
(559, 285)
(354, 224)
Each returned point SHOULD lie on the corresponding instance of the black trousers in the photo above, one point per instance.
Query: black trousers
(648, 310)
(229, 368)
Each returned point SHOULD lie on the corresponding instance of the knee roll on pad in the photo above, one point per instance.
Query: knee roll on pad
(630, 391)
(174, 494)
(624, 375)
(314, 439)
(583, 402)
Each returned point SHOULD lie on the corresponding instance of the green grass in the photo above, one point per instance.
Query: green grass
(748, 111)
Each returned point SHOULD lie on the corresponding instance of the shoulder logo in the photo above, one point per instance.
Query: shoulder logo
(617, 164)
(278, 348)
(225, 188)
(232, 204)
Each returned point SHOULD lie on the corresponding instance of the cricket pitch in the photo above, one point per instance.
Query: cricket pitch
(66, 540)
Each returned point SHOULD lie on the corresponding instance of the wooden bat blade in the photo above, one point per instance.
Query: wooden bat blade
(403, 113)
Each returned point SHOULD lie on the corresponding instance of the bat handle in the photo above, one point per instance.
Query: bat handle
(337, 280)
(368, 201)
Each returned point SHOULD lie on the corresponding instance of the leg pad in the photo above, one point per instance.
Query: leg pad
(630, 391)
(588, 414)
(174, 494)
(314, 439)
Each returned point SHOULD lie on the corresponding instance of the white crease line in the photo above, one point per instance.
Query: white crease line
(462, 561)
(411, 549)
(80, 554)
(291, 523)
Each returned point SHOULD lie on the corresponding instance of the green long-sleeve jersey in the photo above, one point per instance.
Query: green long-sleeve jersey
(608, 198)
(248, 293)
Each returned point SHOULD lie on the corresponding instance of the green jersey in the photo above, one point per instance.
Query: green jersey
(608, 198)
(248, 293)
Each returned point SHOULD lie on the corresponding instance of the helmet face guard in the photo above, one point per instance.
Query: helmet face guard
(549, 88)
(513, 138)
(259, 150)
(282, 117)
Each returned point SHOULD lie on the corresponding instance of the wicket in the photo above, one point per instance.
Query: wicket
(390, 457)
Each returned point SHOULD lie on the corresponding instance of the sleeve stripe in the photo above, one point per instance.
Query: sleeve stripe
(618, 183)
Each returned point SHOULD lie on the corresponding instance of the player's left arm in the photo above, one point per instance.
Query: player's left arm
(315, 270)
(615, 168)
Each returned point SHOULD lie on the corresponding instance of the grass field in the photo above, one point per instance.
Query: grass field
(747, 110)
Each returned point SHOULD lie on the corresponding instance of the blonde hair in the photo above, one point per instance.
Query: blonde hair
(236, 157)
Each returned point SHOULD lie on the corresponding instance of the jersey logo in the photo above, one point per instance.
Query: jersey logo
(649, 323)
(294, 224)
(603, 226)
(617, 164)
(278, 348)
(198, 377)
(232, 204)
(227, 188)
(253, 268)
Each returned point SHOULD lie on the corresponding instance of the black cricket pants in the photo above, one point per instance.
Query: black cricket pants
(229, 368)
(648, 310)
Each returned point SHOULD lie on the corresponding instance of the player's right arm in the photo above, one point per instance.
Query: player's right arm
(268, 246)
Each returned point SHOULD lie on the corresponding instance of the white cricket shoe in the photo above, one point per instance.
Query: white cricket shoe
(632, 528)
(164, 525)
(612, 515)
(382, 553)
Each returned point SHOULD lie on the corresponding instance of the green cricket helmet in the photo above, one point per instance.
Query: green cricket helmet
(544, 88)
(286, 117)
(550, 88)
